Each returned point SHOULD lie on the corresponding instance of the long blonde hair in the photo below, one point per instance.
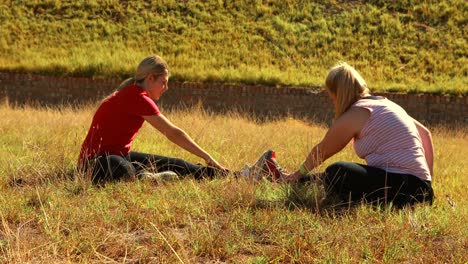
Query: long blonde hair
(152, 64)
(347, 85)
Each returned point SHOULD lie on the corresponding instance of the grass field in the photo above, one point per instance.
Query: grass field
(403, 46)
(46, 217)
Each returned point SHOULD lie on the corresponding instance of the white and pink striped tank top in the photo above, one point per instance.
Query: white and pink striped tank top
(390, 140)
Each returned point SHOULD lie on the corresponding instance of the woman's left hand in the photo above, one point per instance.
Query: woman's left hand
(292, 177)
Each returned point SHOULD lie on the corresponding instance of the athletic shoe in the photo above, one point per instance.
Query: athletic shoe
(266, 166)
(159, 177)
(275, 172)
(259, 169)
(249, 173)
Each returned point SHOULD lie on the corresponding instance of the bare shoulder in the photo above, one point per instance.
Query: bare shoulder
(345, 128)
(354, 119)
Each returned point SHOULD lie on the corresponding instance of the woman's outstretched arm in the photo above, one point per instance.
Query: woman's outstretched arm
(338, 136)
(180, 138)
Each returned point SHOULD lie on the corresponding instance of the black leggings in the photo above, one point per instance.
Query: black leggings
(106, 168)
(354, 182)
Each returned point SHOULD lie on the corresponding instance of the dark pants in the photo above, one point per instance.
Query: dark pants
(106, 168)
(354, 182)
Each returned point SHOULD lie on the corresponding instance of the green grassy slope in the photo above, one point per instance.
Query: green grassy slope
(405, 46)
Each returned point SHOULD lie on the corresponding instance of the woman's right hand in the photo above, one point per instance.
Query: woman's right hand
(213, 163)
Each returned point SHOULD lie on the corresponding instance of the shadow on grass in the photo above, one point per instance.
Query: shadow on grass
(25, 178)
(75, 183)
(309, 193)
(312, 197)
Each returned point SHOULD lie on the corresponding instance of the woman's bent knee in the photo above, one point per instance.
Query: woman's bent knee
(111, 168)
(334, 173)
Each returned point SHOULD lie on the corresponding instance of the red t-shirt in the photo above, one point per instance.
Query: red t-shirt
(117, 122)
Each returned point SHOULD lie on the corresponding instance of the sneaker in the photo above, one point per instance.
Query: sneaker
(266, 166)
(247, 172)
(275, 172)
(163, 176)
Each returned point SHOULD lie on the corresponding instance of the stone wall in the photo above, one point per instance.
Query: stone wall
(259, 101)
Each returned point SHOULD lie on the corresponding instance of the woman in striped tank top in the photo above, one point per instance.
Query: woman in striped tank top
(397, 149)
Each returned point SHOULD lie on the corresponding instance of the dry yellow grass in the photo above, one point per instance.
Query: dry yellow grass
(45, 217)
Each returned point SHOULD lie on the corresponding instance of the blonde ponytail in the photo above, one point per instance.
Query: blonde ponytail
(126, 83)
(347, 85)
(150, 65)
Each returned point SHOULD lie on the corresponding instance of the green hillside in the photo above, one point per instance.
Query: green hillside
(404, 46)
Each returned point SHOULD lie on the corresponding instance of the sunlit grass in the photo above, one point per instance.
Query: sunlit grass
(47, 217)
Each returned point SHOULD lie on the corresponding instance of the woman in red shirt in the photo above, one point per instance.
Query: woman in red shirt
(106, 149)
